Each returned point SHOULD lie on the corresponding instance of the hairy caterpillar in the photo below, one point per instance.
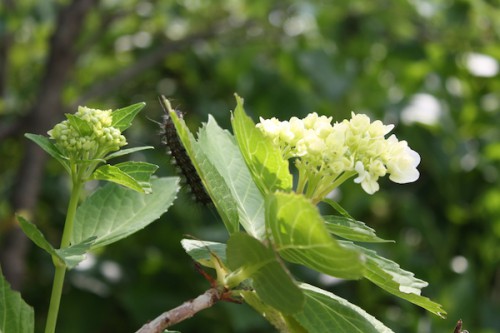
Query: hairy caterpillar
(180, 158)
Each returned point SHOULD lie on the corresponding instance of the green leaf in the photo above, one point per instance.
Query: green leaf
(69, 257)
(122, 118)
(221, 149)
(50, 148)
(204, 251)
(212, 180)
(389, 276)
(127, 151)
(113, 174)
(350, 229)
(140, 171)
(326, 312)
(271, 280)
(114, 212)
(15, 315)
(36, 236)
(281, 321)
(335, 205)
(269, 170)
(299, 235)
(82, 127)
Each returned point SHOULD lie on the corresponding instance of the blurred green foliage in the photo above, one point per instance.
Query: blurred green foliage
(427, 66)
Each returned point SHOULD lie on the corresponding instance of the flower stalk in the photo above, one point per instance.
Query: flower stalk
(60, 269)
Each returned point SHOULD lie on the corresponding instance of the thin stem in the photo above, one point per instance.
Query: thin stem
(302, 180)
(55, 297)
(323, 191)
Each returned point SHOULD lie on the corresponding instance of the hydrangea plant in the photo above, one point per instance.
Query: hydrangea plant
(83, 144)
(270, 222)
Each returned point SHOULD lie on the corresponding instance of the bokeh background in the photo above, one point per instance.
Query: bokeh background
(429, 66)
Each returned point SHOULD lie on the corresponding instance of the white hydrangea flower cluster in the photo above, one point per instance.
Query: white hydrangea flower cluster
(93, 140)
(327, 154)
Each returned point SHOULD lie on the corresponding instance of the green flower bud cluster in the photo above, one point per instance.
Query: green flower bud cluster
(87, 135)
(327, 154)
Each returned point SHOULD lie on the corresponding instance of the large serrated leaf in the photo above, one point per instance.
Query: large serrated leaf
(299, 235)
(271, 281)
(212, 180)
(389, 276)
(204, 251)
(326, 312)
(114, 212)
(50, 148)
(122, 118)
(351, 229)
(269, 170)
(221, 149)
(15, 315)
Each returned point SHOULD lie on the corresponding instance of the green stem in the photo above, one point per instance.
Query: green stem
(57, 286)
(323, 191)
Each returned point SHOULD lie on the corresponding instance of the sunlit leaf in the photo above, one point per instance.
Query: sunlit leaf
(221, 149)
(114, 212)
(212, 180)
(327, 312)
(269, 170)
(271, 281)
(122, 118)
(389, 276)
(299, 235)
(113, 174)
(350, 229)
(15, 315)
(204, 251)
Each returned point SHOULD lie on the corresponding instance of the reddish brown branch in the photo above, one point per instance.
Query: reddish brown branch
(183, 312)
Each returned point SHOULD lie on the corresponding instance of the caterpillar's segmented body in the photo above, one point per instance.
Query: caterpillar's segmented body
(179, 155)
